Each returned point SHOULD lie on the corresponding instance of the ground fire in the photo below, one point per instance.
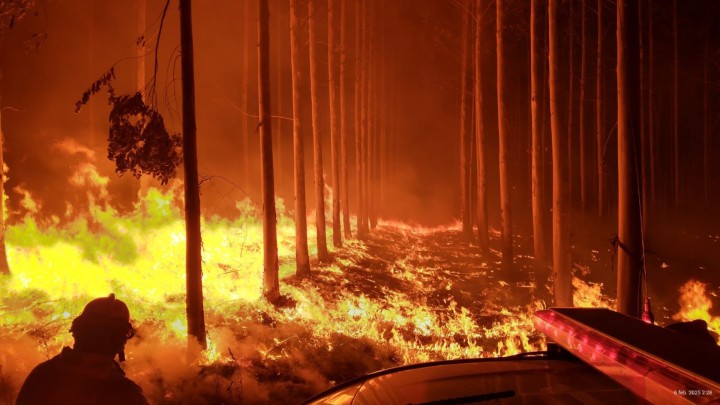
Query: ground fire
(286, 196)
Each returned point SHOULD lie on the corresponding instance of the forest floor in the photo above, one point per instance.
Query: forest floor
(406, 294)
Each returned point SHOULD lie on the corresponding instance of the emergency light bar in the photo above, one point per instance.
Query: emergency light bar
(660, 365)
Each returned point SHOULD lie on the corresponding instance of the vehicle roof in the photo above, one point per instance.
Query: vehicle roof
(529, 379)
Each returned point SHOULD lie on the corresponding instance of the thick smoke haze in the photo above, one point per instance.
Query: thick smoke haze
(81, 40)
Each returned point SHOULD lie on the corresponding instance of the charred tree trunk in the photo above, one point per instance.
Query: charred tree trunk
(371, 116)
(482, 215)
(333, 7)
(630, 252)
(4, 267)
(317, 136)
(193, 244)
(676, 114)
(562, 255)
(465, 125)
(536, 79)
(244, 100)
(599, 112)
(344, 119)
(651, 107)
(302, 256)
(270, 252)
(278, 163)
(141, 49)
(571, 97)
(359, 130)
(642, 116)
(503, 146)
(383, 117)
(583, 123)
(706, 116)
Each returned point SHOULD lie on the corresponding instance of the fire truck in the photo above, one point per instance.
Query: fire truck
(593, 356)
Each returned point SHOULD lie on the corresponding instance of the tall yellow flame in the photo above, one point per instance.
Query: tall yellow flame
(695, 304)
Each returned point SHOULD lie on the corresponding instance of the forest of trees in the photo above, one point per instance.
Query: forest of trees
(626, 117)
(603, 118)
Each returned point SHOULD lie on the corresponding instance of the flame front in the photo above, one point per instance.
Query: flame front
(418, 301)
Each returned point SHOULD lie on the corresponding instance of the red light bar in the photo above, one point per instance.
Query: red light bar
(659, 365)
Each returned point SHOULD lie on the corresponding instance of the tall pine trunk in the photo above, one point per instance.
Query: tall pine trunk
(317, 136)
(333, 8)
(583, 123)
(482, 215)
(706, 116)
(571, 96)
(271, 282)
(600, 113)
(278, 163)
(383, 115)
(562, 255)
(193, 239)
(630, 251)
(642, 116)
(344, 119)
(536, 80)
(371, 116)
(676, 114)
(141, 49)
(365, 115)
(359, 77)
(504, 143)
(465, 123)
(4, 267)
(302, 257)
(244, 100)
(651, 107)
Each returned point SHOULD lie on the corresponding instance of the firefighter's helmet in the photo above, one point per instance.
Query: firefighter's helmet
(109, 311)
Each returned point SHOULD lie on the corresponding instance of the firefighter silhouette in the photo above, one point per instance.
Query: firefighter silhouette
(88, 374)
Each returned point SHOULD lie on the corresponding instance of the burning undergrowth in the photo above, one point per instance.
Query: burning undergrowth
(404, 295)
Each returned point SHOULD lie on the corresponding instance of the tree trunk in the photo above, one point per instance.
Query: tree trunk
(302, 257)
(642, 116)
(193, 244)
(344, 120)
(244, 98)
(333, 7)
(359, 132)
(4, 267)
(651, 107)
(676, 115)
(583, 123)
(482, 216)
(365, 115)
(706, 117)
(630, 251)
(317, 136)
(278, 125)
(600, 113)
(383, 116)
(562, 255)
(465, 120)
(270, 252)
(536, 79)
(571, 97)
(371, 115)
(141, 49)
(503, 146)
(143, 184)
